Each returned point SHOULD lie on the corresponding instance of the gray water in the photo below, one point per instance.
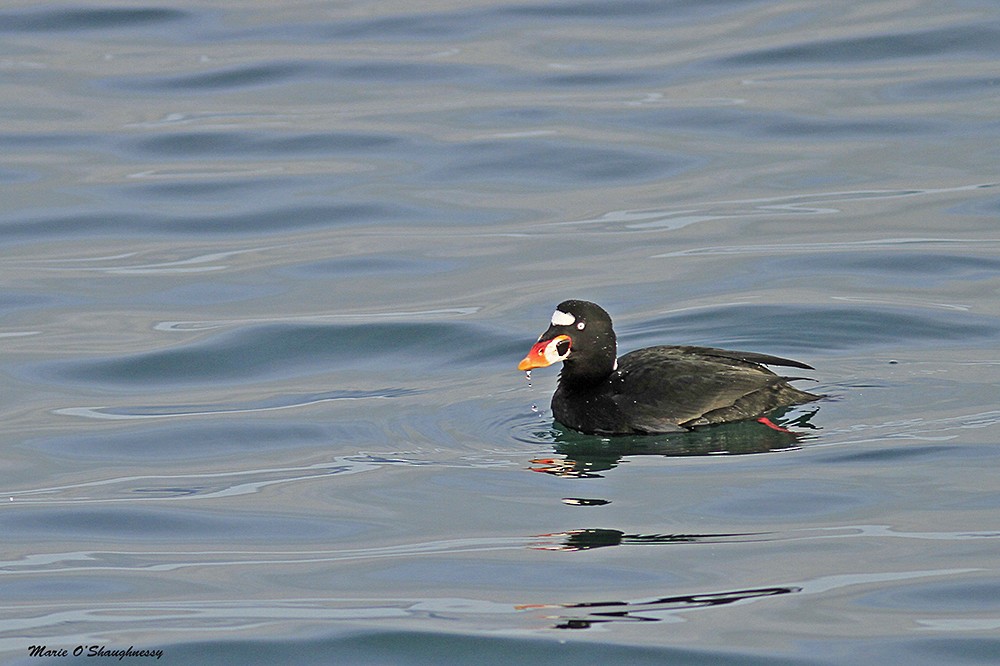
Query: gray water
(268, 269)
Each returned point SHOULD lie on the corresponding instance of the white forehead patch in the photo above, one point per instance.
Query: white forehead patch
(560, 318)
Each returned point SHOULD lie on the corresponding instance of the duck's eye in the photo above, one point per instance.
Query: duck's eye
(581, 325)
(562, 347)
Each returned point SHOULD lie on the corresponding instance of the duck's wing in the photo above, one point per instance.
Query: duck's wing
(748, 357)
(663, 389)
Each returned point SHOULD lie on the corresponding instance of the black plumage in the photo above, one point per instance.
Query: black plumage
(653, 390)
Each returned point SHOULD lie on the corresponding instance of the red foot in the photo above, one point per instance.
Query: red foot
(771, 424)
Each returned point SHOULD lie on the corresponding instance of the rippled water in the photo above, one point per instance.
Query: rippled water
(268, 270)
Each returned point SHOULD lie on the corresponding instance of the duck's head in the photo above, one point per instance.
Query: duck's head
(580, 335)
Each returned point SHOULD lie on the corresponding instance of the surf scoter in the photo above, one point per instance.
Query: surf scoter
(654, 390)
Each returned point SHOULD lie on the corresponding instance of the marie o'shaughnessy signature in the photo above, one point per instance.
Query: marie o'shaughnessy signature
(92, 651)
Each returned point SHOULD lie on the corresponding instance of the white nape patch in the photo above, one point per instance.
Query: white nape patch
(560, 318)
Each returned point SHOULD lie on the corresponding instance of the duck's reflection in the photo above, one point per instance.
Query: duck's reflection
(586, 456)
(588, 539)
(591, 613)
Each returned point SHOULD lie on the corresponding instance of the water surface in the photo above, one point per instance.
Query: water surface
(268, 270)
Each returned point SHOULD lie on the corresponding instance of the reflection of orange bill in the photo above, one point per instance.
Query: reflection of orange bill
(534, 606)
